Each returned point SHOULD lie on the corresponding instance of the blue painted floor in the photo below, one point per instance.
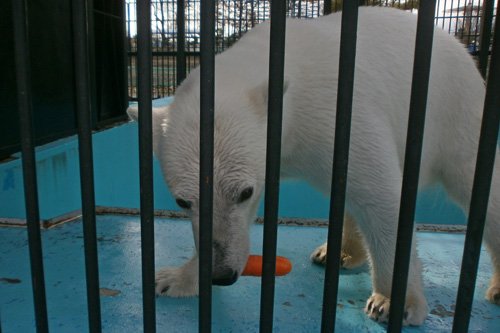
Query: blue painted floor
(235, 308)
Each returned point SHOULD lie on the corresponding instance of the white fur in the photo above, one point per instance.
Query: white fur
(384, 60)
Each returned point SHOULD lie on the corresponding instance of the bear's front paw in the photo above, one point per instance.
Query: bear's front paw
(351, 260)
(318, 256)
(378, 306)
(176, 282)
(493, 294)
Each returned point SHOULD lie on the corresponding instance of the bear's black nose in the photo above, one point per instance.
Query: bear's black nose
(226, 279)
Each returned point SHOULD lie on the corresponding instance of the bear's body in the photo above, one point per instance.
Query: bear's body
(382, 85)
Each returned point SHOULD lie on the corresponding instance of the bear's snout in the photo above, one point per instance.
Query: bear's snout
(227, 278)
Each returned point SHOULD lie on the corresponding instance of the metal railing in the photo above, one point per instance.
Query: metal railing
(176, 30)
(482, 181)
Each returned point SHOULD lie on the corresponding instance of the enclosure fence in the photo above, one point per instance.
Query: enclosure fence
(208, 39)
(176, 30)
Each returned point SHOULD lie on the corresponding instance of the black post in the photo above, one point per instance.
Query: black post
(207, 99)
(327, 7)
(273, 156)
(340, 161)
(130, 54)
(144, 77)
(413, 154)
(181, 42)
(485, 35)
(19, 11)
(83, 110)
(480, 190)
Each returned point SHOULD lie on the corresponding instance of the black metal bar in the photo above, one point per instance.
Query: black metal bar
(24, 100)
(273, 156)
(131, 82)
(207, 100)
(95, 116)
(464, 17)
(438, 4)
(418, 103)
(468, 20)
(240, 19)
(457, 16)
(83, 110)
(480, 190)
(144, 77)
(450, 18)
(340, 161)
(477, 28)
(181, 43)
(438, 15)
(485, 35)
(327, 7)
(126, 59)
(252, 14)
(167, 53)
(221, 27)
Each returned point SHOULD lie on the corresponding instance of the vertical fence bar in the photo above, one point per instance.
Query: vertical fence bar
(21, 48)
(131, 81)
(418, 103)
(485, 35)
(125, 55)
(327, 7)
(458, 25)
(207, 99)
(480, 190)
(273, 155)
(477, 29)
(181, 42)
(83, 110)
(464, 19)
(144, 77)
(340, 161)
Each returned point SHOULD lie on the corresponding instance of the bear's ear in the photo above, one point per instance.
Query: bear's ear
(159, 113)
(133, 112)
(259, 95)
(160, 119)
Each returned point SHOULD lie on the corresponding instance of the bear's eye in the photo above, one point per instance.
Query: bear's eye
(245, 194)
(183, 203)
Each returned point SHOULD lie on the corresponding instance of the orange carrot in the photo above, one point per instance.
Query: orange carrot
(254, 266)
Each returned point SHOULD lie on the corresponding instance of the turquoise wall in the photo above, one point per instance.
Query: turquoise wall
(116, 169)
(117, 183)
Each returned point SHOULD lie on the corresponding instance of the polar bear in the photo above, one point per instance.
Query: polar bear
(385, 50)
